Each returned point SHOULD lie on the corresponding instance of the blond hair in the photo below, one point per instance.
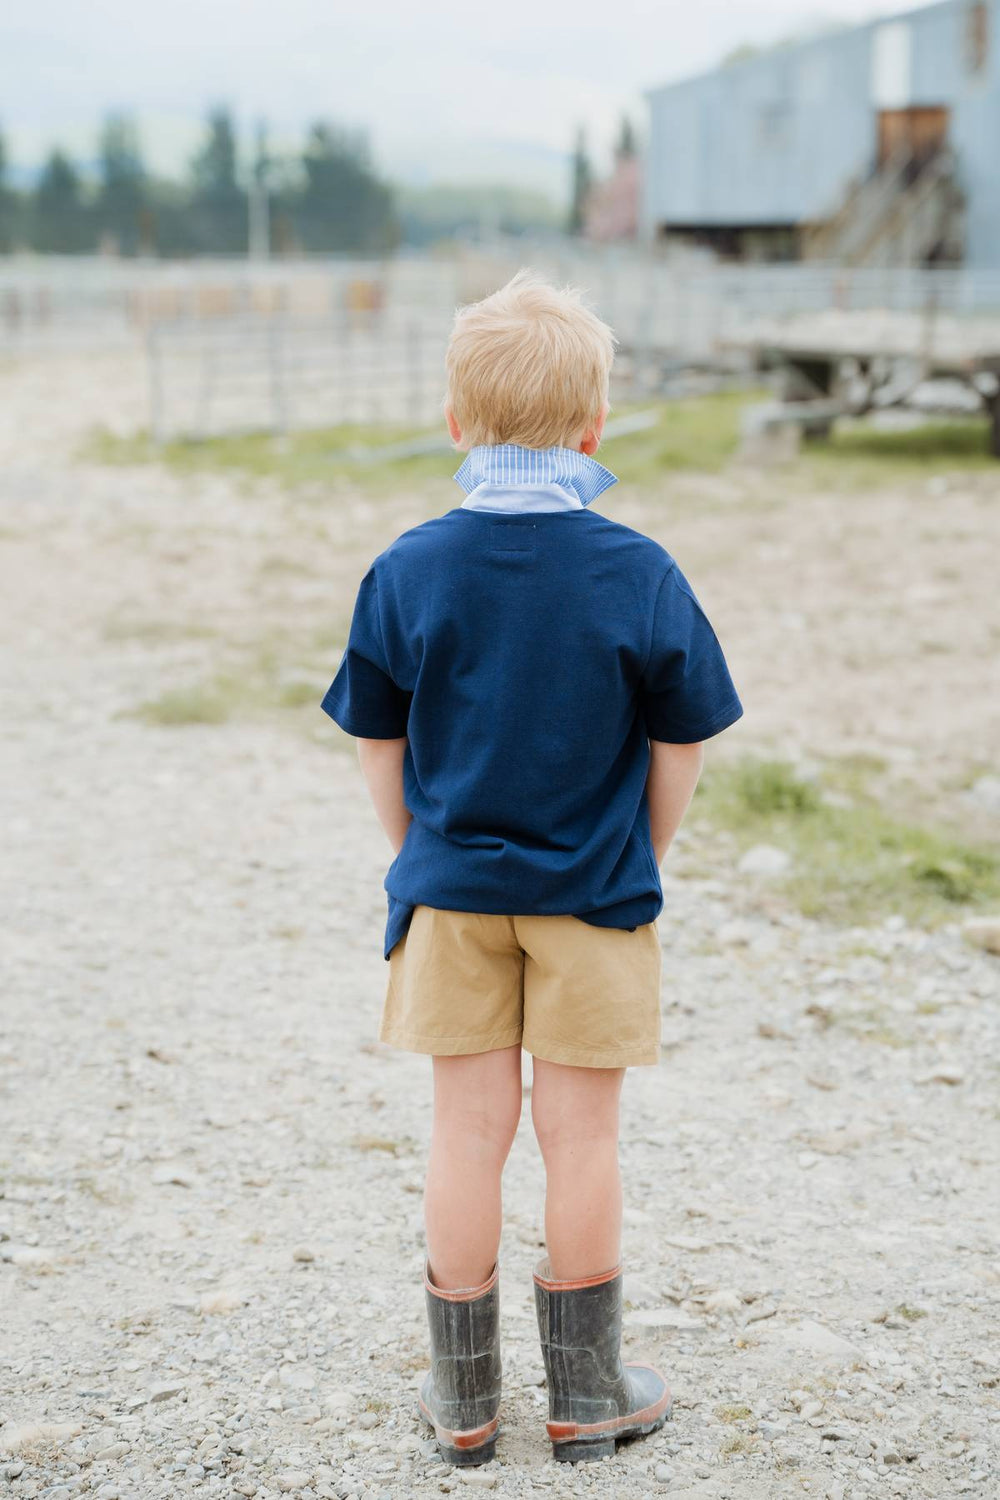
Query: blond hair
(529, 364)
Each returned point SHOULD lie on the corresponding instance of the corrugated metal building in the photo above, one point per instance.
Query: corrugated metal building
(876, 144)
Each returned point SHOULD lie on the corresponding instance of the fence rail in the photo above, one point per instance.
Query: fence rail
(234, 345)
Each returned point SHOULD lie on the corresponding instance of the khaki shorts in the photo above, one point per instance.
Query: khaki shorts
(565, 990)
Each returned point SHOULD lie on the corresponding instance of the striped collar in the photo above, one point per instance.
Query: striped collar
(509, 466)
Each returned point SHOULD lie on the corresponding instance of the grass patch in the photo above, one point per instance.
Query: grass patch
(375, 1143)
(229, 696)
(869, 1023)
(964, 441)
(125, 628)
(853, 864)
(860, 456)
(910, 1314)
(738, 1444)
(733, 1413)
(279, 674)
(692, 434)
(203, 703)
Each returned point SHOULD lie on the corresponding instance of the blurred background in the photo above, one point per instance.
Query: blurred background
(759, 188)
(232, 239)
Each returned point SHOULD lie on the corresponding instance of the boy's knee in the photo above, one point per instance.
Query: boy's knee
(486, 1129)
(564, 1131)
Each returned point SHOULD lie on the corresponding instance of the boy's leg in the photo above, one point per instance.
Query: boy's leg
(575, 1115)
(477, 1106)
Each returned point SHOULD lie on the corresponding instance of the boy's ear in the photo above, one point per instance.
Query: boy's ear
(591, 440)
(453, 427)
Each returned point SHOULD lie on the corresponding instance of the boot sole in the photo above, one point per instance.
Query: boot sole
(584, 1443)
(464, 1449)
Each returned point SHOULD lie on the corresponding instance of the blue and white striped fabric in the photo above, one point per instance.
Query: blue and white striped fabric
(509, 477)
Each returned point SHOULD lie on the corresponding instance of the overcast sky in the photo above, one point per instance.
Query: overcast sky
(448, 90)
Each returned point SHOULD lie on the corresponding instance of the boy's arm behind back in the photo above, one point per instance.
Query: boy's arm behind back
(382, 769)
(673, 776)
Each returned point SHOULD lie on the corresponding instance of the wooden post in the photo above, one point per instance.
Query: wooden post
(994, 410)
(414, 371)
(154, 374)
(279, 395)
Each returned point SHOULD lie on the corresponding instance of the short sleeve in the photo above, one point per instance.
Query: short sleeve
(363, 698)
(686, 691)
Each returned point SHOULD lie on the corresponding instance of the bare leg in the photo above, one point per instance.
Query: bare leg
(477, 1106)
(575, 1115)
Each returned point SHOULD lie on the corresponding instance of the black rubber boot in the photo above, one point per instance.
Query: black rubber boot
(594, 1399)
(460, 1394)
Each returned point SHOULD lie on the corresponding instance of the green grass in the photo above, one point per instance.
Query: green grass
(910, 1314)
(150, 632)
(211, 702)
(733, 1413)
(697, 434)
(859, 456)
(284, 672)
(738, 1445)
(226, 696)
(852, 863)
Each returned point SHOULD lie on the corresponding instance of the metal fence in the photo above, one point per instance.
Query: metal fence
(236, 345)
(279, 375)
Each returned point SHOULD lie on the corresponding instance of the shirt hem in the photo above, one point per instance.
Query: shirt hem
(364, 731)
(712, 726)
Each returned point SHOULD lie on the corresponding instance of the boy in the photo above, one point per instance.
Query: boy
(530, 684)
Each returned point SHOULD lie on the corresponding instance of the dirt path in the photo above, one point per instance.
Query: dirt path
(210, 1214)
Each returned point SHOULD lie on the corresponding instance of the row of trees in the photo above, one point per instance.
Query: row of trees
(327, 197)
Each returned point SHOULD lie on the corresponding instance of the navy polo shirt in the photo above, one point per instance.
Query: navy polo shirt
(528, 659)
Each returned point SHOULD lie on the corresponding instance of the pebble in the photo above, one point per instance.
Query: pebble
(663, 1473)
(164, 1391)
(28, 1256)
(723, 1300)
(983, 932)
(986, 790)
(816, 1339)
(952, 1076)
(170, 1174)
(292, 1479)
(111, 1452)
(303, 1255)
(661, 1317)
(764, 859)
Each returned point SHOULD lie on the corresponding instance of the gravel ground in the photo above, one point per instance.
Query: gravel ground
(210, 1212)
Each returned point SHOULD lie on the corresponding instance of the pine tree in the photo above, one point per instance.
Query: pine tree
(8, 205)
(219, 208)
(122, 210)
(625, 145)
(60, 221)
(582, 181)
(343, 205)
